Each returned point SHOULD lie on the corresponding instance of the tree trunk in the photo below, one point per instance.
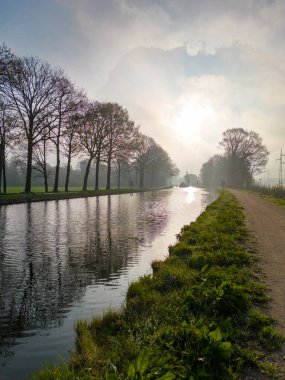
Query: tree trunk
(136, 174)
(29, 167)
(84, 188)
(4, 172)
(55, 187)
(131, 182)
(119, 175)
(46, 180)
(108, 186)
(97, 171)
(1, 164)
(141, 177)
(45, 167)
(152, 182)
(67, 172)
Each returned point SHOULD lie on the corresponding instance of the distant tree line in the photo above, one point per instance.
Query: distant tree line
(43, 114)
(244, 156)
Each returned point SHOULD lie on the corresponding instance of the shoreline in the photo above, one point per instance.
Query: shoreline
(10, 199)
(201, 313)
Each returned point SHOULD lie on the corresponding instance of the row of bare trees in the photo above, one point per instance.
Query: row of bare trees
(42, 113)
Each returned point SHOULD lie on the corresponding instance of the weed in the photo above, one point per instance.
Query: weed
(270, 338)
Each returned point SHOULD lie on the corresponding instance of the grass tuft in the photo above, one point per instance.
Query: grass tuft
(199, 316)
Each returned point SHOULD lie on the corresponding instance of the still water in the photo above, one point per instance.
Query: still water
(65, 260)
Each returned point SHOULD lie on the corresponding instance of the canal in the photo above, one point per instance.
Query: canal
(65, 260)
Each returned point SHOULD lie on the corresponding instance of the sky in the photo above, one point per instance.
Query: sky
(186, 70)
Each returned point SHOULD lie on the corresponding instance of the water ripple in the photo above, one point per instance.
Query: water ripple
(70, 259)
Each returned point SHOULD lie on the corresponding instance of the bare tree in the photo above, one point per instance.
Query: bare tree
(120, 128)
(41, 151)
(3, 143)
(6, 59)
(214, 172)
(143, 159)
(126, 150)
(100, 117)
(156, 161)
(29, 87)
(8, 136)
(246, 155)
(92, 133)
(70, 143)
(67, 103)
(46, 108)
(162, 168)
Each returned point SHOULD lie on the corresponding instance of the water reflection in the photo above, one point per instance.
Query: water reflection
(51, 251)
(54, 255)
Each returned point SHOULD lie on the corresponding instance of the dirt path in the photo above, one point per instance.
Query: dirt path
(267, 221)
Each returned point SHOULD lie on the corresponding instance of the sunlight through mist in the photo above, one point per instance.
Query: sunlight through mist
(191, 114)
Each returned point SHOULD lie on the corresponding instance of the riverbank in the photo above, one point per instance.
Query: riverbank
(14, 198)
(200, 315)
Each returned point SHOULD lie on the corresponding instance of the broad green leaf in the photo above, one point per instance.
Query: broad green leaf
(110, 376)
(205, 268)
(142, 361)
(216, 336)
(167, 376)
(131, 371)
(226, 349)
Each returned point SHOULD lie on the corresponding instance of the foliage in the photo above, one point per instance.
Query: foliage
(151, 159)
(214, 171)
(199, 316)
(244, 156)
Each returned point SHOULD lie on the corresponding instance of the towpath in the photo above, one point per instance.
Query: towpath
(267, 221)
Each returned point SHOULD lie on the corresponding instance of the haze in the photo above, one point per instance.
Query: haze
(185, 70)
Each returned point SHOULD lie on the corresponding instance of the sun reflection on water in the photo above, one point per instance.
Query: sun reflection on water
(190, 193)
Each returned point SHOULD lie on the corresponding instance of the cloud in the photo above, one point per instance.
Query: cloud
(112, 28)
(185, 102)
(218, 64)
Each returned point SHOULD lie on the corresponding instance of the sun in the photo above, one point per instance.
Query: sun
(191, 114)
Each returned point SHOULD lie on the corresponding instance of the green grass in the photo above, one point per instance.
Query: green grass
(277, 201)
(14, 194)
(199, 316)
(275, 194)
(37, 189)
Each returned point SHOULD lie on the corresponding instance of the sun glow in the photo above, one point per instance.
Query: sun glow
(190, 193)
(191, 114)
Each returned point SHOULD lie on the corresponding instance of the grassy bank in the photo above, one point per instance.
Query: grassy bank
(37, 195)
(199, 316)
(275, 194)
(273, 191)
(276, 201)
